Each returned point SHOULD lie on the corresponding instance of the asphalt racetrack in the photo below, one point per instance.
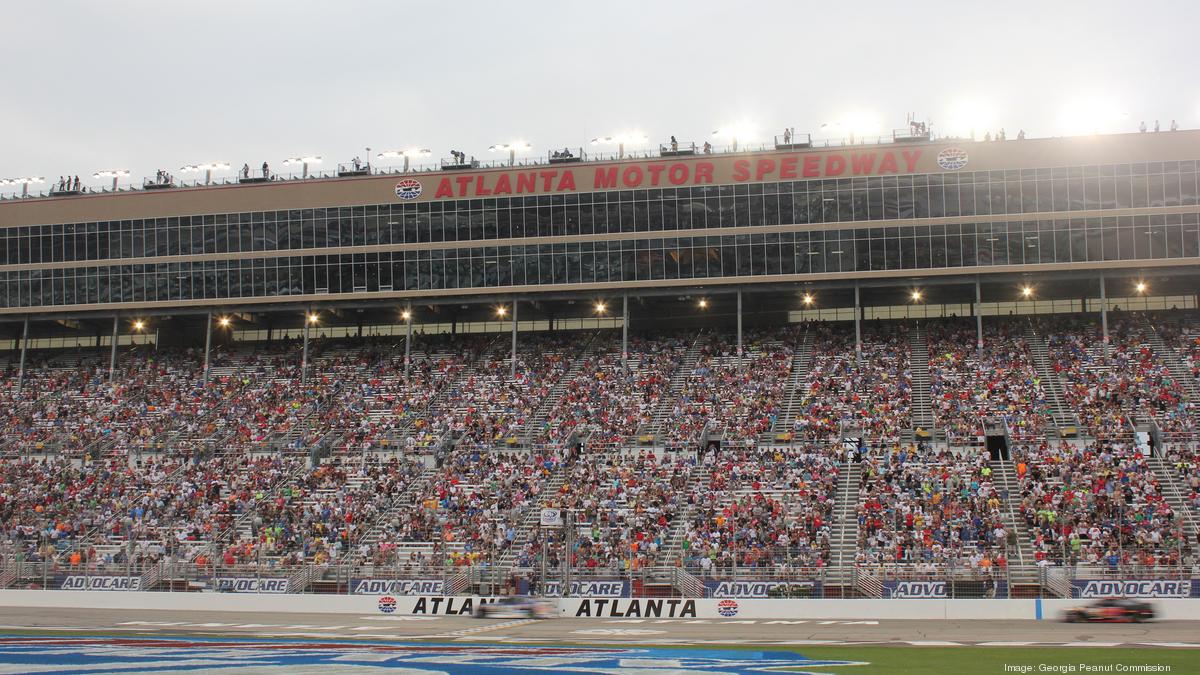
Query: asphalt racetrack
(443, 629)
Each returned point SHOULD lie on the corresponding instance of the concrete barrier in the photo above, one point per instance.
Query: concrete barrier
(599, 608)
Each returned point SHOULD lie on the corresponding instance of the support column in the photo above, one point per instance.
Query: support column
(1104, 315)
(513, 370)
(739, 329)
(304, 357)
(207, 345)
(978, 325)
(408, 344)
(24, 346)
(112, 359)
(857, 324)
(625, 332)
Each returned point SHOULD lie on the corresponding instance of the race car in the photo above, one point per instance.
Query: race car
(1111, 610)
(515, 607)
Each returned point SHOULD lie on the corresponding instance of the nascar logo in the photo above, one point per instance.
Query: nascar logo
(952, 159)
(387, 604)
(409, 188)
(727, 608)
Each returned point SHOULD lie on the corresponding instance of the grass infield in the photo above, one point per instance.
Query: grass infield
(969, 660)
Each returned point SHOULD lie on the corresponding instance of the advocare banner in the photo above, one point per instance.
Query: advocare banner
(942, 589)
(1135, 588)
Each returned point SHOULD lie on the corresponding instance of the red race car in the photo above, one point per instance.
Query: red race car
(1111, 610)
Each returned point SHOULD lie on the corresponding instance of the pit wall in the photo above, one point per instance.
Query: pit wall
(602, 608)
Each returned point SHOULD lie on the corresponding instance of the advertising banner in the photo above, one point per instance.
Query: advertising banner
(942, 589)
(1135, 588)
(762, 589)
(396, 586)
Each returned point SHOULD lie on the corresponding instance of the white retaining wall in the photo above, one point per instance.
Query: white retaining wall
(1174, 609)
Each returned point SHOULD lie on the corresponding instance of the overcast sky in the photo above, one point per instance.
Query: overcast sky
(146, 85)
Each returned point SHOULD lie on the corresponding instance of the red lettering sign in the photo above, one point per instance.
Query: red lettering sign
(605, 178)
(812, 166)
(835, 165)
(741, 170)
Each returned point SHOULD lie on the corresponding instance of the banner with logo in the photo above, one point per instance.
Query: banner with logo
(396, 586)
(1135, 588)
(762, 589)
(591, 588)
(942, 589)
(80, 582)
(249, 584)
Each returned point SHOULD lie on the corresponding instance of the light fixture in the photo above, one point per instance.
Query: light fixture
(224, 322)
(115, 174)
(305, 161)
(1140, 287)
(916, 296)
(512, 149)
(733, 132)
(601, 307)
(621, 140)
(808, 298)
(406, 154)
(313, 318)
(138, 325)
(1026, 291)
(406, 315)
(703, 303)
(25, 183)
(207, 168)
(501, 311)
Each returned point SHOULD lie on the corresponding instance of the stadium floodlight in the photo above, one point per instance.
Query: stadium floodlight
(966, 116)
(207, 168)
(115, 174)
(1091, 115)
(406, 315)
(304, 161)
(139, 325)
(601, 307)
(733, 132)
(406, 154)
(224, 322)
(512, 149)
(313, 318)
(808, 299)
(703, 303)
(25, 183)
(501, 311)
(916, 295)
(1026, 291)
(1140, 287)
(621, 140)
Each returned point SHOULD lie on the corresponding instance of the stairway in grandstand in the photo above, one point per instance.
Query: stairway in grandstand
(531, 519)
(401, 502)
(697, 483)
(243, 526)
(654, 428)
(1020, 560)
(1051, 383)
(1174, 494)
(1170, 358)
(794, 394)
(437, 401)
(922, 398)
(536, 421)
(843, 541)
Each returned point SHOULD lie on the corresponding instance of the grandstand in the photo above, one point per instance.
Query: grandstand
(832, 369)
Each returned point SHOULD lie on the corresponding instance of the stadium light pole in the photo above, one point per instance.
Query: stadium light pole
(406, 154)
(207, 168)
(207, 345)
(514, 340)
(309, 319)
(630, 137)
(739, 329)
(25, 183)
(407, 316)
(625, 332)
(857, 323)
(303, 161)
(512, 149)
(114, 174)
(24, 346)
(1104, 316)
(978, 325)
(112, 359)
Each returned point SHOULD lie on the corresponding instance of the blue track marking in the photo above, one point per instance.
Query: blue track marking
(31, 654)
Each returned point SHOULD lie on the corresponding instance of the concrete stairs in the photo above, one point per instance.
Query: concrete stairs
(1052, 384)
(1174, 494)
(1021, 560)
(531, 518)
(843, 540)
(537, 420)
(801, 362)
(654, 428)
(922, 398)
(1170, 358)
(698, 482)
(401, 502)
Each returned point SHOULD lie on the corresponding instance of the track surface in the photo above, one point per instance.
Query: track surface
(141, 623)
